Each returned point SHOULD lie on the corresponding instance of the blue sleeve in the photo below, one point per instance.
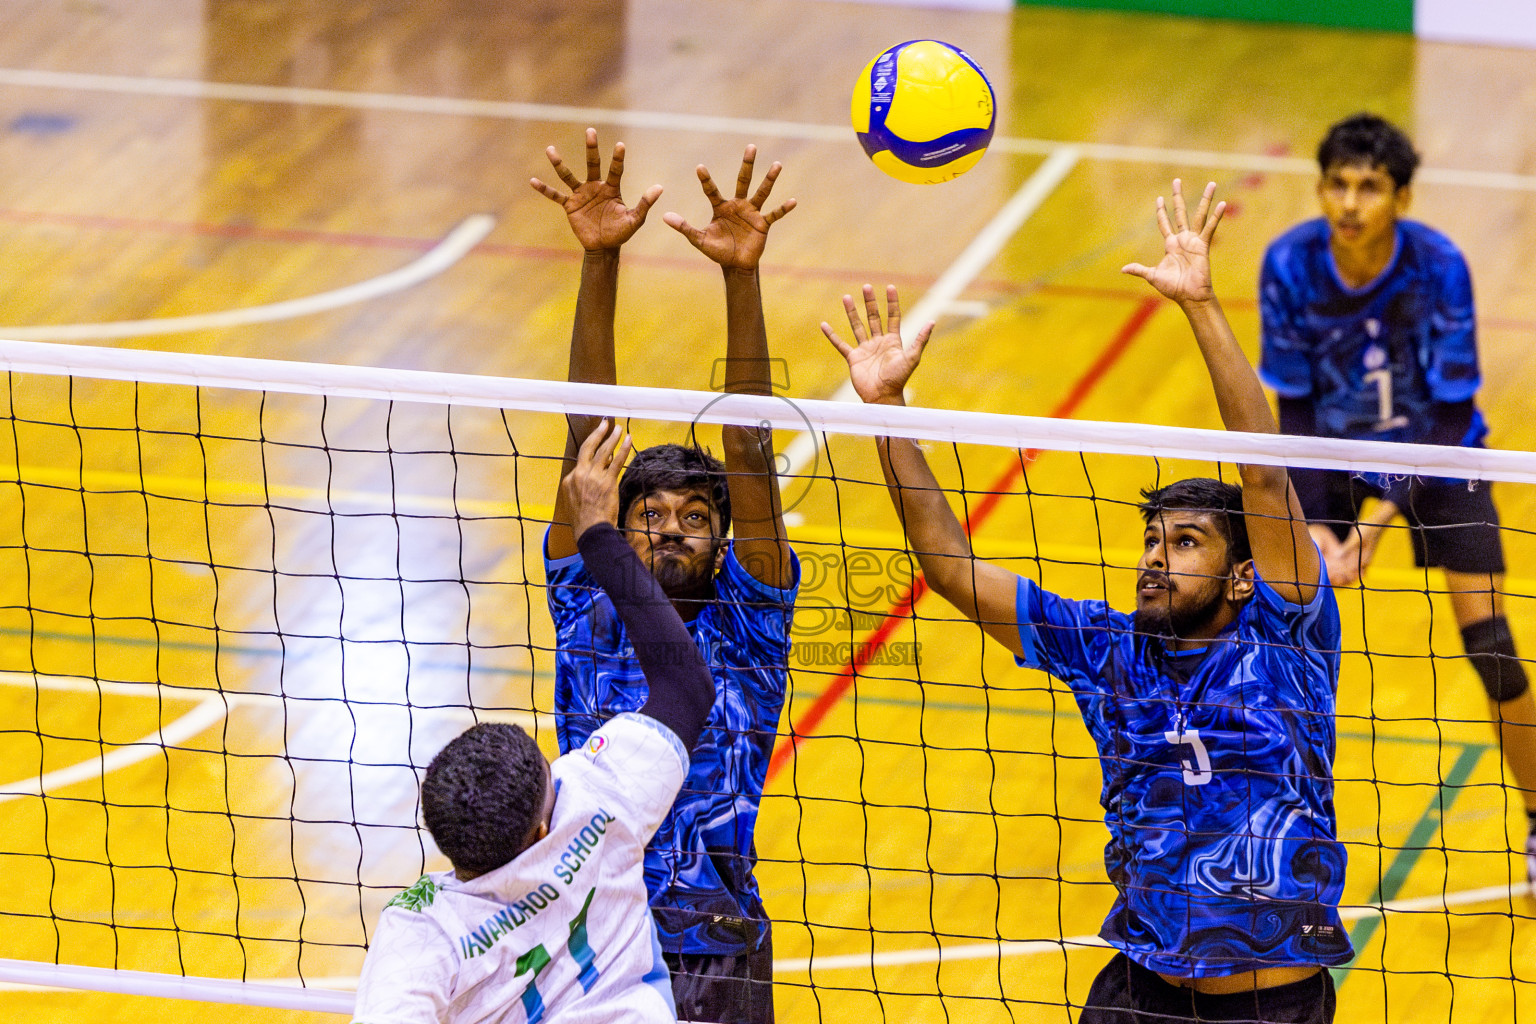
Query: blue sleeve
(1285, 360)
(1301, 644)
(1069, 639)
(758, 618)
(1452, 373)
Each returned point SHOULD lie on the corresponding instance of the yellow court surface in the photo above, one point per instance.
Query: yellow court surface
(233, 623)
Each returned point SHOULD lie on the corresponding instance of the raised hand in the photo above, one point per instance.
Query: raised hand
(1184, 274)
(592, 488)
(596, 211)
(738, 228)
(879, 365)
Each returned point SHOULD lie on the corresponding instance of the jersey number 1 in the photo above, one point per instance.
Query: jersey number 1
(1199, 773)
(537, 958)
(1382, 378)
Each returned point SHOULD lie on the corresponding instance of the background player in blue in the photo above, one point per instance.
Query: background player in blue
(1211, 706)
(1369, 333)
(736, 596)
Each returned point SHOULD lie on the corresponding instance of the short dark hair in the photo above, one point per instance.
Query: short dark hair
(1372, 141)
(483, 794)
(1222, 501)
(676, 467)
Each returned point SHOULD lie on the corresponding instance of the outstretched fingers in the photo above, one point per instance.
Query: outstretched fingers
(681, 226)
(744, 176)
(1208, 232)
(892, 310)
(789, 204)
(544, 190)
(920, 342)
(845, 349)
(565, 174)
(647, 200)
(615, 166)
(764, 189)
(594, 156)
(1162, 218)
(710, 191)
(855, 324)
(872, 311)
(1180, 214)
(1204, 206)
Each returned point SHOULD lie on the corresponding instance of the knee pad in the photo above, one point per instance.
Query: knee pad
(1491, 649)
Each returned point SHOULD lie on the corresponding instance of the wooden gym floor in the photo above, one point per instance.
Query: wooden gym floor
(180, 159)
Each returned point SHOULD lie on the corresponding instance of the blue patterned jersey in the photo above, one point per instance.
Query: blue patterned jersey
(1373, 361)
(698, 866)
(1218, 779)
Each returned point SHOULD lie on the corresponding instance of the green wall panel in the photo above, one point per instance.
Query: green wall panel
(1392, 15)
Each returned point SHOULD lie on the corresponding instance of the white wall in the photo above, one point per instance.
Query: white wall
(1500, 22)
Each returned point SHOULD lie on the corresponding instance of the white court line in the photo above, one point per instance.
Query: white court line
(212, 706)
(453, 247)
(800, 452)
(337, 994)
(205, 715)
(507, 110)
(235, 698)
(989, 950)
(30, 975)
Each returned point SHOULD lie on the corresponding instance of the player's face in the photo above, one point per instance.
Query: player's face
(675, 535)
(1361, 204)
(1183, 576)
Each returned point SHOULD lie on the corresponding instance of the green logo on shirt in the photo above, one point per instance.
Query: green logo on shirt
(417, 896)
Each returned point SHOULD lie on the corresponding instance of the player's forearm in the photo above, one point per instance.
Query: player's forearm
(681, 690)
(1239, 395)
(933, 531)
(592, 359)
(747, 369)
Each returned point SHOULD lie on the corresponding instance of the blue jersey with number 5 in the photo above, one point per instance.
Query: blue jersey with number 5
(1373, 360)
(1218, 779)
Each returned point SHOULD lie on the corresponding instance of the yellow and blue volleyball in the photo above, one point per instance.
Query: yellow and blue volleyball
(924, 111)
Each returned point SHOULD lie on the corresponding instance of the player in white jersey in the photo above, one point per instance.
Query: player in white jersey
(545, 916)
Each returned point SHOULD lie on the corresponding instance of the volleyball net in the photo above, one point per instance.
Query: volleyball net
(245, 602)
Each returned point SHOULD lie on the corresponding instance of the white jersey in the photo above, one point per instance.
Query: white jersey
(561, 933)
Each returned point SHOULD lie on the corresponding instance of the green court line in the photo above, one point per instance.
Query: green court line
(255, 652)
(541, 674)
(1408, 854)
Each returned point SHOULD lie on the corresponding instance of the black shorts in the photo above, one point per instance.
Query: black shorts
(724, 989)
(1127, 993)
(1452, 525)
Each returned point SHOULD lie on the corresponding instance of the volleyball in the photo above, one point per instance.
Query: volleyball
(924, 111)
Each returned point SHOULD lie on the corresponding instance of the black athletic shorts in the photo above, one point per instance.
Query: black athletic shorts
(1127, 993)
(1452, 525)
(724, 989)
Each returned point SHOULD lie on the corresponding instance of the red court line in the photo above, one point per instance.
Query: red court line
(802, 730)
(205, 229)
(255, 232)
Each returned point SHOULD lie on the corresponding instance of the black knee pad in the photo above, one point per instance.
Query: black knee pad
(1491, 649)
